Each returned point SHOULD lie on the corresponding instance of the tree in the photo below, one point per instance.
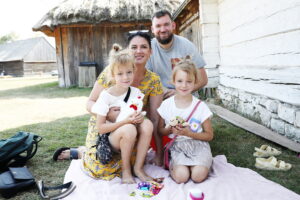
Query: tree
(8, 38)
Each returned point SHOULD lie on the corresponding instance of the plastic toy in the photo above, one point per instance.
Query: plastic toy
(195, 194)
(134, 104)
(147, 189)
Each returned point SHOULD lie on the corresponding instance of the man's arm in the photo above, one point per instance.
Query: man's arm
(203, 80)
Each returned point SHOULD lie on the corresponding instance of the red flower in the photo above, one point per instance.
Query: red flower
(133, 106)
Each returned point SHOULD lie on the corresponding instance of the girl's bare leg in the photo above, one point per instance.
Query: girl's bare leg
(199, 173)
(124, 139)
(145, 130)
(180, 173)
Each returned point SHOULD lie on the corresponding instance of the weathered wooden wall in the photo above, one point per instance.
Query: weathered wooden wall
(260, 47)
(85, 44)
(13, 68)
(209, 29)
(260, 61)
(31, 68)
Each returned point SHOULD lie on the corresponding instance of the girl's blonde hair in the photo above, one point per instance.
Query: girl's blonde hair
(187, 65)
(118, 57)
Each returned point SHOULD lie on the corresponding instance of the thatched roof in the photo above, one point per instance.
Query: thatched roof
(102, 11)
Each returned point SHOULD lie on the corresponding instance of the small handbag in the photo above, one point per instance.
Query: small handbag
(15, 180)
(103, 147)
(167, 153)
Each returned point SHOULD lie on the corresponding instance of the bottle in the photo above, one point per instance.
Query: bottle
(195, 194)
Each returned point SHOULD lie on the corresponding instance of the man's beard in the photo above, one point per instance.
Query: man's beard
(165, 41)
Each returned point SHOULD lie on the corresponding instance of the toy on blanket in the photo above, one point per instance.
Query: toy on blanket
(134, 104)
(177, 121)
(147, 189)
(195, 194)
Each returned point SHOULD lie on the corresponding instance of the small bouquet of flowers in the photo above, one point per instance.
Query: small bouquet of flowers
(177, 121)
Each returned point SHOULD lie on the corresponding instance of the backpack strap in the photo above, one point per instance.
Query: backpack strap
(127, 95)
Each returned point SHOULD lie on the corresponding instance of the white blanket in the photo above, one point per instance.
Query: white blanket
(225, 182)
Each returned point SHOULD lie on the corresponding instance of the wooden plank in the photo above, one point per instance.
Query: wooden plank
(286, 93)
(109, 24)
(72, 69)
(281, 49)
(278, 75)
(238, 20)
(65, 53)
(254, 127)
(60, 57)
(213, 82)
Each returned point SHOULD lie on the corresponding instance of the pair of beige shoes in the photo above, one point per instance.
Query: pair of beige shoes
(270, 163)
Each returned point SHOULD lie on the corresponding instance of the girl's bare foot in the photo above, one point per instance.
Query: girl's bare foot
(127, 178)
(141, 174)
(157, 160)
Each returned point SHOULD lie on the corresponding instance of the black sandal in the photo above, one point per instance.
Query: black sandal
(73, 153)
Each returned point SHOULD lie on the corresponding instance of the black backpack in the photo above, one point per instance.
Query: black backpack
(15, 151)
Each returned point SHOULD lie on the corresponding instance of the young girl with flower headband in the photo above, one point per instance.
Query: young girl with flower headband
(124, 133)
(190, 153)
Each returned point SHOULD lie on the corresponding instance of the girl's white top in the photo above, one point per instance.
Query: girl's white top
(168, 111)
(106, 101)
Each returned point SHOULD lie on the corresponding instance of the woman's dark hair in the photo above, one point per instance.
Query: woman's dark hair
(142, 34)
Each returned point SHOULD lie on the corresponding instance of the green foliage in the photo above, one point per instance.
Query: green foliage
(8, 38)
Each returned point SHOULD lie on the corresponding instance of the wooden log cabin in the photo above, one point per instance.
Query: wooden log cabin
(28, 57)
(85, 30)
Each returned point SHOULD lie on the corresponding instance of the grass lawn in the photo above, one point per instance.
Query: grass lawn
(237, 144)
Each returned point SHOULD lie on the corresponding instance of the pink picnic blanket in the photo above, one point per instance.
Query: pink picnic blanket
(225, 182)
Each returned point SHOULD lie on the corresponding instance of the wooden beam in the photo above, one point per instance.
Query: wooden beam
(109, 24)
(188, 22)
(254, 127)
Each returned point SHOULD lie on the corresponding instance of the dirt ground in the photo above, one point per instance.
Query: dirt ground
(24, 111)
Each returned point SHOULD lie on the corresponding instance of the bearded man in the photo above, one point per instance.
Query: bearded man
(168, 48)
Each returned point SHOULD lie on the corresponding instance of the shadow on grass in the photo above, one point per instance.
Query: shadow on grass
(45, 90)
(233, 142)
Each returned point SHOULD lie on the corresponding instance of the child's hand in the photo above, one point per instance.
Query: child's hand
(131, 118)
(139, 118)
(135, 118)
(180, 130)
